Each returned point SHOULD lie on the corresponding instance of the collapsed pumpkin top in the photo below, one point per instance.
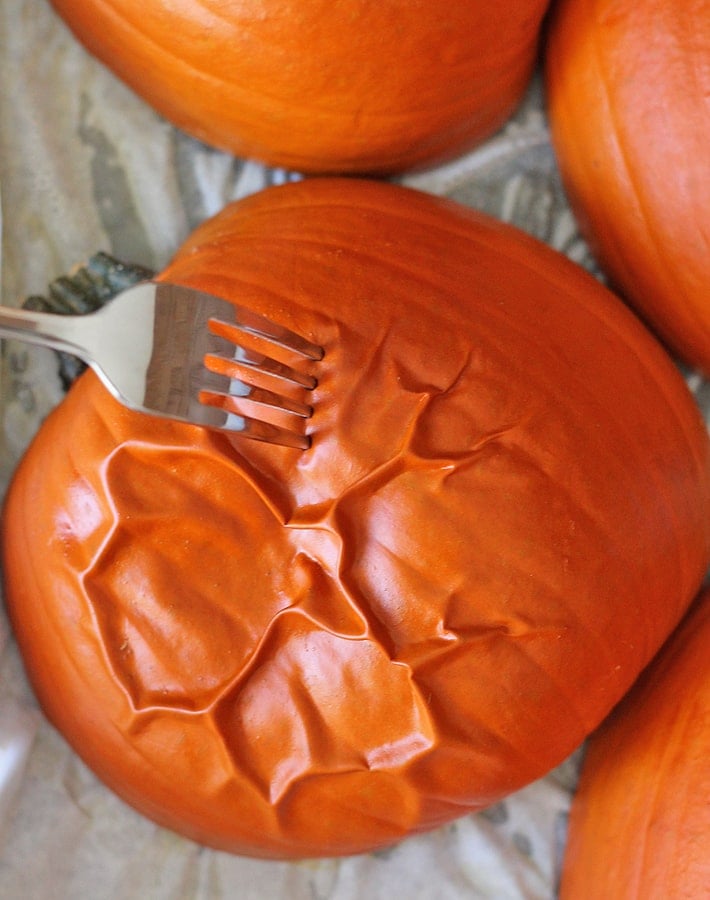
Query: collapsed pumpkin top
(502, 515)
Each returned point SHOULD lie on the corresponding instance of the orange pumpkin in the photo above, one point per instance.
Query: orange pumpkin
(629, 103)
(317, 85)
(640, 822)
(503, 513)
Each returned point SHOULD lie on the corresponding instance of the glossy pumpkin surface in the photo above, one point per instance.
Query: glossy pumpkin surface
(629, 102)
(317, 85)
(503, 514)
(640, 822)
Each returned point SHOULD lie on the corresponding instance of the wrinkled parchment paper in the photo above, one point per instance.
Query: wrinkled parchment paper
(85, 165)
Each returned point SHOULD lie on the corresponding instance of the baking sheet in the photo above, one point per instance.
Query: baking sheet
(85, 165)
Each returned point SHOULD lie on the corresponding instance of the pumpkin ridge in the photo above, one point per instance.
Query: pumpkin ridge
(614, 133)
(438, 105)
(632, 165)
(653, 799)
(522, 257)
(472, 735)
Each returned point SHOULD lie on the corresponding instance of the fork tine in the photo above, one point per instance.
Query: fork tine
(252, 323)
(241, 390)
(229, 422)
(240, 356)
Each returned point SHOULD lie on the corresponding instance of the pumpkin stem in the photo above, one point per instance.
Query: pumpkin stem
(84, 289)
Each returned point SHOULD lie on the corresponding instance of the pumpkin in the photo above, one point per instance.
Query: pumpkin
(502, 515)
(628, 84)
(317, 85)
(640, 822)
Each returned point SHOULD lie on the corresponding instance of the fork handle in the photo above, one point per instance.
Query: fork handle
(59, 332)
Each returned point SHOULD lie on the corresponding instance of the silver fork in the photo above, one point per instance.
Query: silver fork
(176, 352)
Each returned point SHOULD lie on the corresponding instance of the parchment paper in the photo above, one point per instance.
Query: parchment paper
(85, 165)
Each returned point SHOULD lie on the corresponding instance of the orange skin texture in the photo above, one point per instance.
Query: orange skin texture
(503, 514)
(324, 86)
(640, 822)
(629, 104)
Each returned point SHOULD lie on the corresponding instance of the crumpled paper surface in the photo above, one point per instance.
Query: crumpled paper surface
(85, 165)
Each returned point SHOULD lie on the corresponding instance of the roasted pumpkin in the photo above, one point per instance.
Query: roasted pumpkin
(503, 514)
(640, 822)
(628, 85)
(318, 85)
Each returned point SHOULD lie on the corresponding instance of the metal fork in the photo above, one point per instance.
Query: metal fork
(179, 353)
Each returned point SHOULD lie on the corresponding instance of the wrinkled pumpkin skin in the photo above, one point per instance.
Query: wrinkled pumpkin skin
(629, 103)
(317, 85)
(503, 514)
(640, 822)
